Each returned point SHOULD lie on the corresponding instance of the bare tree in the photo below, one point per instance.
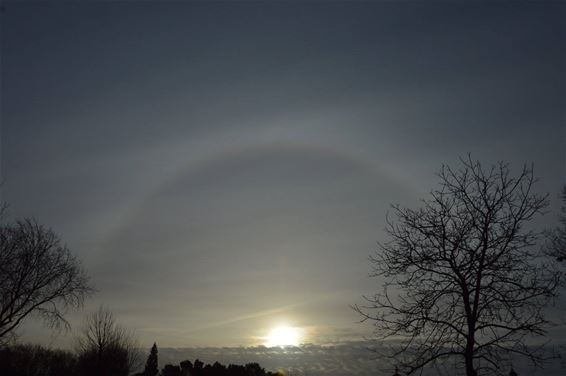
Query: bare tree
(556, 246)
(465, 281)
(38, 275)
(106, 348)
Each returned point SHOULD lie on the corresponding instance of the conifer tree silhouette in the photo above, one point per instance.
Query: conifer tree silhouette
(151, 364)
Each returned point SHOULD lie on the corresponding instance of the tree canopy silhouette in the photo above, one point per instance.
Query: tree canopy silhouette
(464, 275)
(38, 275)
(33, 360)
(106, 348)
(186, 368)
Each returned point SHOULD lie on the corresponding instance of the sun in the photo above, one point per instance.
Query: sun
(283, 335)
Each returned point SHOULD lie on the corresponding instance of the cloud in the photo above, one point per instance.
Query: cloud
(342, 359)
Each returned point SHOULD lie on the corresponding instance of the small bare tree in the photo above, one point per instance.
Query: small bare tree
(38, 275)
(464, 281)
(106, 348)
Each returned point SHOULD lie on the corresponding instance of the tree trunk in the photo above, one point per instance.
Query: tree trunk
(469, 356)
(470, 371)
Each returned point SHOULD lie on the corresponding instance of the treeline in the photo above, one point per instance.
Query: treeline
(198, 368)
(35, 360)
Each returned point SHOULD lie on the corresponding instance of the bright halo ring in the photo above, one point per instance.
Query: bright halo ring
(284, 335)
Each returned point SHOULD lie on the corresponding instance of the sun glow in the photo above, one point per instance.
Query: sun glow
(284, 335)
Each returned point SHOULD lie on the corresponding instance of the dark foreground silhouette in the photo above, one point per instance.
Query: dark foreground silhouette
(28, 360)
(198, 368)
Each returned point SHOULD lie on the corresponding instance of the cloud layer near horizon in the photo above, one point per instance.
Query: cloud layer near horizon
(341, 359)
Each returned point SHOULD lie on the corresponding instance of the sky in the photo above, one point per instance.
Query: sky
(222, 168)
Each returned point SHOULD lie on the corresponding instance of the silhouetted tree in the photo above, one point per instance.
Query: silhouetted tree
(254, 369)
(170, 370)
(38, 275)
(151, 365)
(464, 277)
(197, 368)
(236, 370)
(216, 369)
(557, 238)
(106, 348)
(186, 367)
(34, 360)
(198, 364)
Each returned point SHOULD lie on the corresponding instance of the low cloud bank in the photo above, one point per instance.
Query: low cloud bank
(344, 359)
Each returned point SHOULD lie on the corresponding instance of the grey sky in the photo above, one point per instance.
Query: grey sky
(222, 167)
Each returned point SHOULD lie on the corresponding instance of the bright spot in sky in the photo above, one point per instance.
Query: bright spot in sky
(284, 336)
